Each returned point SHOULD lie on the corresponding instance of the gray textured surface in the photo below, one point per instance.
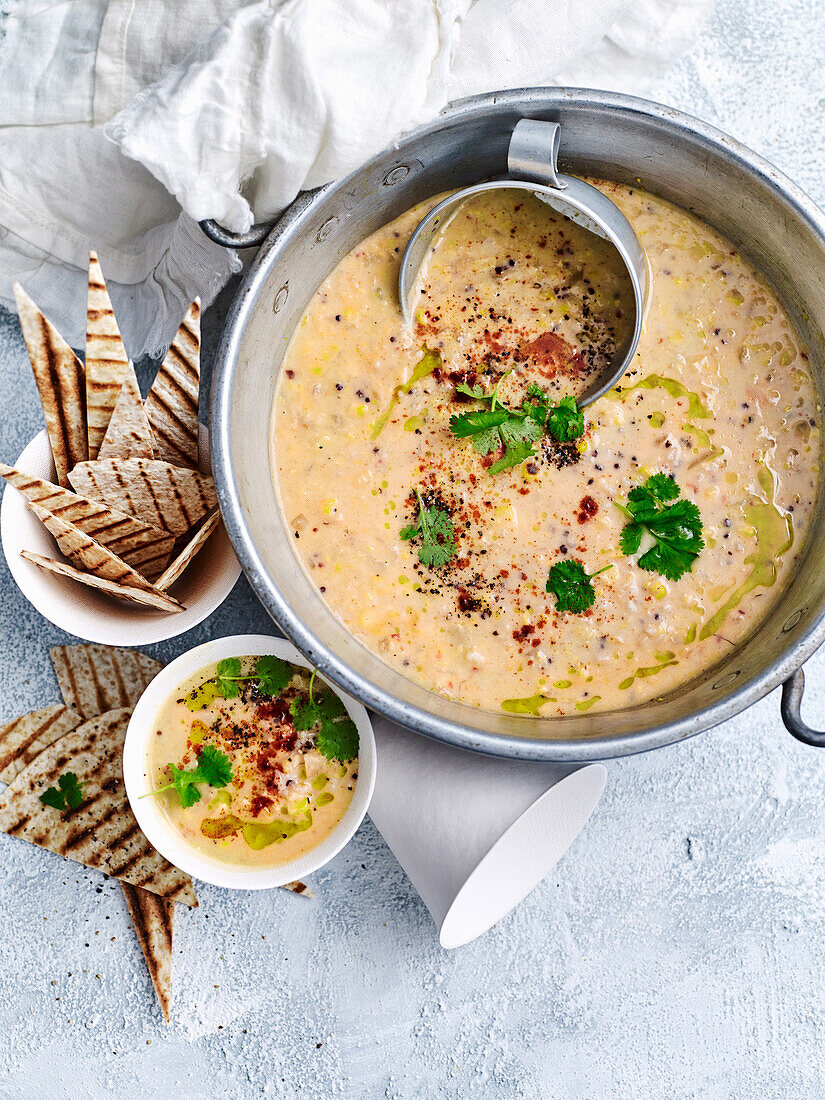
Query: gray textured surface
(676, 952)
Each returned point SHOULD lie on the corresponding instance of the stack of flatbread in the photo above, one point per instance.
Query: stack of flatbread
(84, 736)
(131, 507)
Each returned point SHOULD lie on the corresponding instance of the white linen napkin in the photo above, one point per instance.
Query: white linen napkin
(123, 123)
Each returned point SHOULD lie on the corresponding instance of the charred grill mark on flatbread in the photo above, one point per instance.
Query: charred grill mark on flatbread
(298, 887)
(23, 738)
(102, 832)
(181, 891)
(129, 434)
(140, 545)
(156, 492)
(188, 553)
(172, 401)
(60, 379)
(106, 359)
(96, 678)
(130, 859)
(153, 918)
(150, 597)
(88, 553)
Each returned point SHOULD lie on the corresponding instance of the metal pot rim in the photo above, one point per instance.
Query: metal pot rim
(415, 718)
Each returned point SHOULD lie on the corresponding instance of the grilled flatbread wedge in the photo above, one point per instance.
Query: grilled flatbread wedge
(147, 598)
(102, 832)
(97, 678)
(23, 738)
(172, 402)
(152, 917)
(60, 382)
(188, 553)
(129, 434)
(156, 492)
(147, 549)
(298, 887)
(106, 358)
(87, 553)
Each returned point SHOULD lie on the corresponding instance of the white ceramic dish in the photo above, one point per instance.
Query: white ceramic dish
(89, 614)
(150, 817)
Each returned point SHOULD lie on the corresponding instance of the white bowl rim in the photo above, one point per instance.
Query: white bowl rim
(129, 626)
(150, 817)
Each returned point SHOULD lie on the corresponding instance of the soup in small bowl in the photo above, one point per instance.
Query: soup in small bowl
(243, 767)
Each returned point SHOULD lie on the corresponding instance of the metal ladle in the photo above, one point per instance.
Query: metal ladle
(532, 158)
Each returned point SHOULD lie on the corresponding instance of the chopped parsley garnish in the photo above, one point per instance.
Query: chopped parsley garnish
(515, 430)
(674, 524)
(213, 767)
(435, 528)
(67, 795)
(571, 585)
(337, 738)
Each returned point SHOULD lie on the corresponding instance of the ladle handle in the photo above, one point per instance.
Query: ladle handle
(533, 152)
(792, 691)
(251, 239)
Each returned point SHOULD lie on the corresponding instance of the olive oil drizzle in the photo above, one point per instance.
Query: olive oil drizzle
(774, 537)
(423, 368)
(530, 704)
(696, 409)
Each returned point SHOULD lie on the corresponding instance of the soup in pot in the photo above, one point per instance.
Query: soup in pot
(486, 537)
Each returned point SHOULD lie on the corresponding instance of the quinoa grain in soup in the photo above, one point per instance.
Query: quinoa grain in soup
(254, 761)
(479, 532)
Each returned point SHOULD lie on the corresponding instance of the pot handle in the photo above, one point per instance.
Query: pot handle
(251, 239)
(792, 691)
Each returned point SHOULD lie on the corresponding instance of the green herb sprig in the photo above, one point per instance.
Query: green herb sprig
(213, 767)
(569, 582)
(516, 430)
(271, 675)
(435, 528)
(675, 525)
(67, 795)
(337, 738)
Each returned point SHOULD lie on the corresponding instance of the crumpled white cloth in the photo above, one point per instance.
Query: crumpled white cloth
(123, 123)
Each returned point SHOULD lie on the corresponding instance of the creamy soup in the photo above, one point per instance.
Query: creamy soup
(253, 762)
(720, 398)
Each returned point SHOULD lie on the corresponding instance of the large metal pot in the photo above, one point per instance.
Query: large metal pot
(615, 136)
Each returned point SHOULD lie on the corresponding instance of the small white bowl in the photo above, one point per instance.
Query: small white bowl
(150, 817)
(90, 614)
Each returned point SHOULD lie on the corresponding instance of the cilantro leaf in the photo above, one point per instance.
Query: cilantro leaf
(658, 487)
(229, 673)
(565, 421)
(515, 430)
(437, 534)
(337, 737)
(491, 429)
(479, 422)
(472, 391)
(631, 538)
(675, 525)
(273, 674)
(338, 740)
(213, 767)
(518, 437)
(304, 713)
(571, 585)
(66, 795)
